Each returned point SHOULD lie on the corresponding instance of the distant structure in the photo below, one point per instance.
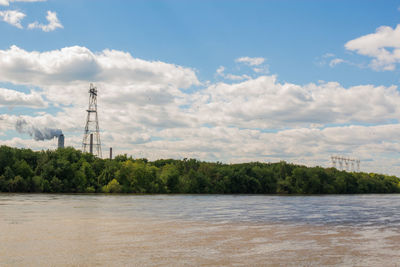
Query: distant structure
(344, 163)
(61, 141)
(91, 138)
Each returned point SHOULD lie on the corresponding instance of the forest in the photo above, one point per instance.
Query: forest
(67, 170)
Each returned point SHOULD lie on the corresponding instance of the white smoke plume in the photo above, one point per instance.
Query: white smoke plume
(39, 134)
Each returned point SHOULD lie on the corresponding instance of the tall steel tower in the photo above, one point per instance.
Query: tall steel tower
(91, 137)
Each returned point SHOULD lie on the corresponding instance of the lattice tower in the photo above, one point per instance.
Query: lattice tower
(92, 132)
(348, 164)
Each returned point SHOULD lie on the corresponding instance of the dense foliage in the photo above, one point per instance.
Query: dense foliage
(70, 171)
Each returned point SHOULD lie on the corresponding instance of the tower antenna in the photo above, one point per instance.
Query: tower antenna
(91, 138)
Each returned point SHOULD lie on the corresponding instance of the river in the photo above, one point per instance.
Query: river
(199, 230)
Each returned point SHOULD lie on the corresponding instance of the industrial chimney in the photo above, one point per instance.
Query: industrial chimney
(61, 141)
(91, 144)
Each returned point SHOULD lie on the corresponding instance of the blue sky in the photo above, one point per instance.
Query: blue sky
(210, 87)
(291, 35)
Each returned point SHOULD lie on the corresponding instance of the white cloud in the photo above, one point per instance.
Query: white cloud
(233, 77)
(79, 64)
(12, 17)
(265, 103)
(256, 63)
(383, 47)
(251, 61)
(12, 98)
(53, 23)
(331, 60)
(336, 61)
(145, 111)
(328, 55)
(322, 60)
(138, 95)
(220, 72)
(7, 2)
(261, 70)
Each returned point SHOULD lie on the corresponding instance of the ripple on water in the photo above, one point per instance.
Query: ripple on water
(199, 230)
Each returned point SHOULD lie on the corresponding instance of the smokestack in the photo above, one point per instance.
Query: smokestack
(61, 141)
(91, 144)
(110, 152)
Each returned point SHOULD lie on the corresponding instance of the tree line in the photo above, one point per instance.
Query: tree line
(68, 170)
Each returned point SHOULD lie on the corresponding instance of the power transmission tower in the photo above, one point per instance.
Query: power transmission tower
(349, 163)
(91, 137)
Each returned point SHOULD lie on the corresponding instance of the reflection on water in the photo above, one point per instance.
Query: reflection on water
(186, 230)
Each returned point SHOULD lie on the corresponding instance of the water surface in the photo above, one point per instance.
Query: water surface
(187, 230)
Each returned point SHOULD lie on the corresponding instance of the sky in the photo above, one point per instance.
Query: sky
(229, 81)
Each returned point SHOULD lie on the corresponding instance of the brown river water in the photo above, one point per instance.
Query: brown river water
(199, 230)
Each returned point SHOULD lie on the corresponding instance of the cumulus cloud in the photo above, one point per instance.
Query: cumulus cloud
(12, 17)
(251, 61)
(383, 47)
(77, 64)
(7, 2)
(53, 23)
(12, 98)
(146, 111)
(134, 94)
(265, 103)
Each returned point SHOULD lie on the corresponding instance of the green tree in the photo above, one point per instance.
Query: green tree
(108, 172)
(266, 178)
(22, 169)
(3, 184)
(37, 184)
(6, 157)
(9, 173)
(18, 184)
(170, 176)
(56, 185)
(112, 187)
